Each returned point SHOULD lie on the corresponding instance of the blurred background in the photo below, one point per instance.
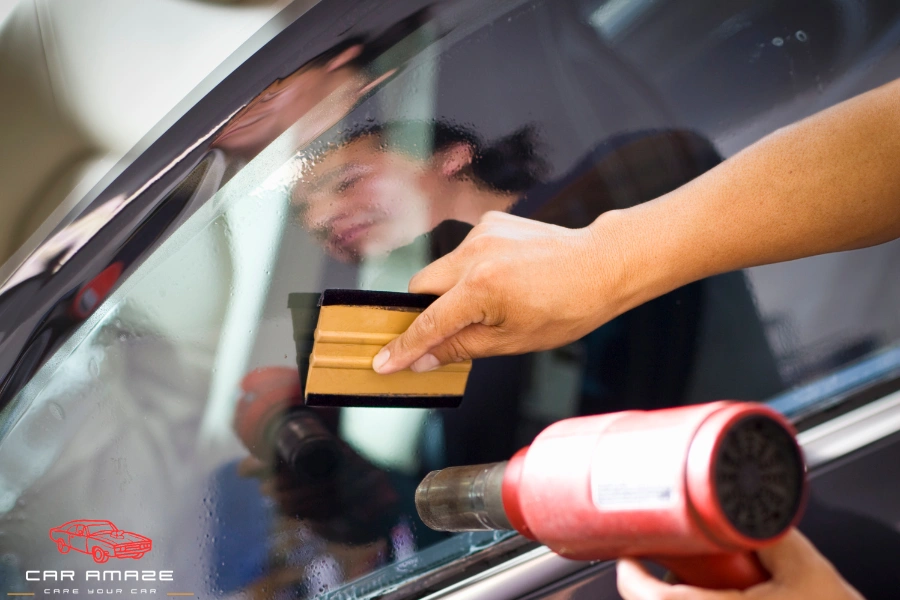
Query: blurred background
(82, 82)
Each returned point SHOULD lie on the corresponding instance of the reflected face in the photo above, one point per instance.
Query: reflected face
(363, 201)
(281, 105)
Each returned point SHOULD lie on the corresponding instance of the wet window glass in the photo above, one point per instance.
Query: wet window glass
(148, 435)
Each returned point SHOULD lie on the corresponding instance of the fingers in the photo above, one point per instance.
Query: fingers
(441, 275)
(788, 557)
(636, 583)
(447, 271)
(448, 315)
(438, 277)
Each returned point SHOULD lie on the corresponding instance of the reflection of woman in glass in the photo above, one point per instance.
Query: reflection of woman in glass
(375, 189)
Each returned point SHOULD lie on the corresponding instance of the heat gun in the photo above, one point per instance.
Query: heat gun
(314, 475)
(696, 489)
(273, 424)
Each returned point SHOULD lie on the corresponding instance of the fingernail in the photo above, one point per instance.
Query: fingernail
(429, 362)
(381, 359)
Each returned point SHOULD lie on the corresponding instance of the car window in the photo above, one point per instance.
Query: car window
(355, 170)
(101, 527)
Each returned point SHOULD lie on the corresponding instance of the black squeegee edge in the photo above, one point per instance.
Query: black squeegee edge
(383, 401)
(380, 299)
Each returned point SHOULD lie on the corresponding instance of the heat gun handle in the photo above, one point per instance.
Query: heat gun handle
(740, 570)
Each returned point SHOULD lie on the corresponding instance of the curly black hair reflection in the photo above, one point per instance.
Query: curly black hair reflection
(509, 164)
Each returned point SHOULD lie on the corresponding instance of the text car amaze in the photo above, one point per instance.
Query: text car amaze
(66, 575)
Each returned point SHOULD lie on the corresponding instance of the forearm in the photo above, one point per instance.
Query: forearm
(826, 184)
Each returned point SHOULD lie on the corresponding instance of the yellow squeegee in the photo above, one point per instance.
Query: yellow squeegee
(351, 326)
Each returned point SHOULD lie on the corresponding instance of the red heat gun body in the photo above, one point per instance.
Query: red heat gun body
(696, 489)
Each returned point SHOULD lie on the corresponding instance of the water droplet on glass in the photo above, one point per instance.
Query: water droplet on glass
(778, 41)
(57, 411)
(801, 36)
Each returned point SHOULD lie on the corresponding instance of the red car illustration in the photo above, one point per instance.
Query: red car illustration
(100, 539)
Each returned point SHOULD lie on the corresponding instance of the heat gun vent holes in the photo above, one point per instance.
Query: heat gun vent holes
(759, 477)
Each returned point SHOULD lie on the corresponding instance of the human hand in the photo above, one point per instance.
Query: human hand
(357, 491)
(514, 285)
(799, 572)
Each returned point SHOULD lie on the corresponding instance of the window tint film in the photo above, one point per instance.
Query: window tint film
(357, 170)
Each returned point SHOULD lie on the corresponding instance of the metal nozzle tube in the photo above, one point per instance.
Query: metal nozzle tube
(307, 447)
(463, 498)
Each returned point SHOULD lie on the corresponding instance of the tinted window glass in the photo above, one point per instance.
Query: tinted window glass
(357, 170)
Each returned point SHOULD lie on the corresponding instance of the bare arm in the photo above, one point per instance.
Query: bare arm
(828, 183)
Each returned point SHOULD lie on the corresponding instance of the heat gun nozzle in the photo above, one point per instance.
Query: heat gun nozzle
(307, 447)
(463, 498)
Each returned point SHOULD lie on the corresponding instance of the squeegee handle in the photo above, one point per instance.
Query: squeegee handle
(737, 571)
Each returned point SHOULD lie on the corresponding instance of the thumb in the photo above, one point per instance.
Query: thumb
(636, 583)
(446, 316)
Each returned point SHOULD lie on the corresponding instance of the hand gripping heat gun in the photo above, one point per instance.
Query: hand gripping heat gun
(697, 489)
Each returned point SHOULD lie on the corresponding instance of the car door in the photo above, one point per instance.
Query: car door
(362, 141)
(78, 538)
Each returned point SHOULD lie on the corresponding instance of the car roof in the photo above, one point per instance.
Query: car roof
(88, 522)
